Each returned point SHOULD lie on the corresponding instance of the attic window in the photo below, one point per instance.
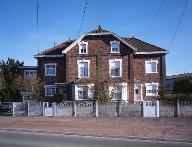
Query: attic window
(83, 47)
(115, 46)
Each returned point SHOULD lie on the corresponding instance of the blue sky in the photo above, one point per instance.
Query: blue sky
(60, 20)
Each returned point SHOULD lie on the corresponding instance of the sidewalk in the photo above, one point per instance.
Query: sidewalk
(175, 129)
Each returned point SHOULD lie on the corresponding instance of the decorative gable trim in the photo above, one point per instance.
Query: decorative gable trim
(48, 56)
(146, 53)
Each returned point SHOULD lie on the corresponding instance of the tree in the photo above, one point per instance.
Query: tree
(59, 97)
(183, 85)
(10, 81)
(182, 90)
(34, 86)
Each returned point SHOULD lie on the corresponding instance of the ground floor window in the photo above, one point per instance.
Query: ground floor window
(82, 92)
(50, 90)
(117, 92)
(151, 89)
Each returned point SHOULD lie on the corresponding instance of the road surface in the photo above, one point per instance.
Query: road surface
(29, 139)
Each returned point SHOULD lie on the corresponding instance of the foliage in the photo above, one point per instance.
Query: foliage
(101, 92)
(59, 98)
(10, 83)
(175, 97)
(182, 90)
(34, 86)
(183, 85)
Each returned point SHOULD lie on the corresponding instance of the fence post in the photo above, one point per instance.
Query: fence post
(96, 108)
(143, 106)
(157, 109)
(28, 108)
(74, 108)
(54, 109)
(13, 109)
(43, 108)
(118, 108)
(178, 107)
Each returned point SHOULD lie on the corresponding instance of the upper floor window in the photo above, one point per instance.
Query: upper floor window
(115, 67)
(83, 68)
(50, 90)
(83, 47)
(115, 46)
(151, 66)
(151, 89)
(30, 73)
(50, 69)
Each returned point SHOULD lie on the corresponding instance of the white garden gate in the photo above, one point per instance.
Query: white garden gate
(47, 109)
(150, 108)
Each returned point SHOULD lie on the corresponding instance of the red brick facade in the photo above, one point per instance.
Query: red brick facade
(99, 53)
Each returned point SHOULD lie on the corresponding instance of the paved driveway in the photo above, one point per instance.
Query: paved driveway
(179, 129)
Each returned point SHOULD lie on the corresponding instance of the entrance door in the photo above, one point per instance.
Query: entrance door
(138, 95)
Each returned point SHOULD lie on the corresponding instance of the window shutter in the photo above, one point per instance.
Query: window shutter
(124, 91)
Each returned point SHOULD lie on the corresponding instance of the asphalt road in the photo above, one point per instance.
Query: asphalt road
(29, 139)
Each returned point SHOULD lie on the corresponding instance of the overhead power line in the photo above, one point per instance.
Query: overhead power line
(82, 19)
(179, 23)
(154, 19)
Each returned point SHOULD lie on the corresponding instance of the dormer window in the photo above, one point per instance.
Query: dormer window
(115, 46)
(83, 47)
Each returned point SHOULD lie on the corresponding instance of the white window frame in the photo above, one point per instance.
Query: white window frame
(149, 84)
(150, 61)
(83, 88)
(84, 43)
(114, 60)
(124, 91)
(49, 86)
(47, 74)
(34, 73)
(115, 91)
(75, 91)
(83, 61)
(118, 46)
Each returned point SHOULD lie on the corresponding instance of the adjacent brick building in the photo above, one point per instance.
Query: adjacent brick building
(135, 69)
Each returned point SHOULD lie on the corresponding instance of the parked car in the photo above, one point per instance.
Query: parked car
(6, 107)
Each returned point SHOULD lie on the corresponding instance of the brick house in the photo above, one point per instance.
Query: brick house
(27, 72)
(138, 68)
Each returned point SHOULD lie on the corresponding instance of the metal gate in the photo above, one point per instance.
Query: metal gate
(150, 108)
(47, 109)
